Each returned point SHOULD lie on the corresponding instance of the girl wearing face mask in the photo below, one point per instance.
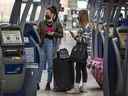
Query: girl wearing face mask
(81, 60)
(49, 30)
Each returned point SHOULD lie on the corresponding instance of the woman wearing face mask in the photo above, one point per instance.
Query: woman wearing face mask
(49, 30)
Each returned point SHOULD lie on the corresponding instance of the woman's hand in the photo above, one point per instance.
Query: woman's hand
(72, 34)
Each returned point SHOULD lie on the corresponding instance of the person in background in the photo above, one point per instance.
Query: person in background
(50, 31)
(81, 70)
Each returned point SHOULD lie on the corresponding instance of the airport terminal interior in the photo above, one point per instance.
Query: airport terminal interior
(63, 47)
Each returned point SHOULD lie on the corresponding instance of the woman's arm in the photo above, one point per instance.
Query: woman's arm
(59, 29)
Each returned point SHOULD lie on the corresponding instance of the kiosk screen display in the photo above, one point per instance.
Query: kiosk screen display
(11, 37)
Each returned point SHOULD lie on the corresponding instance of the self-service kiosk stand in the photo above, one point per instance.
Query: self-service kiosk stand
(19, 61)
(11, 61)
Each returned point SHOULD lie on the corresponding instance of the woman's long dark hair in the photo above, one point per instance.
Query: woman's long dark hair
(54, 11)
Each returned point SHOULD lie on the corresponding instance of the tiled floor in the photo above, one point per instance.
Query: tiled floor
(92, 86)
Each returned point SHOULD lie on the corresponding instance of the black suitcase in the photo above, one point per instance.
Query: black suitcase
(63, 72)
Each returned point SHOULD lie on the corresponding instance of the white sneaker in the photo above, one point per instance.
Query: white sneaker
(83, 89)
(74, 91)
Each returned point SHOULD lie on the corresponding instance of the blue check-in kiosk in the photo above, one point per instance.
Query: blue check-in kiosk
(32, 59)
(11, 61)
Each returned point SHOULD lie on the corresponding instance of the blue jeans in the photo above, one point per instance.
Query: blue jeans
(47, 57)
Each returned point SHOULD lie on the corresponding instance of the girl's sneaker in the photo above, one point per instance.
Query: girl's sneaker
(48, 87)
(83, 89)
(74, 90)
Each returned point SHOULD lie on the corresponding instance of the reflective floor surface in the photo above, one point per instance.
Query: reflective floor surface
(92, 86)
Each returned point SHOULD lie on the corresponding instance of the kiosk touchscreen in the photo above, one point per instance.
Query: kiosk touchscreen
(11, 37)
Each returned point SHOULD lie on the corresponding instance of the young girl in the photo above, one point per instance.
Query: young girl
(81, 61)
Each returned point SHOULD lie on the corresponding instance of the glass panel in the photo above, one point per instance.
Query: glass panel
(36, 0)
(6, 9)
(29, 13)
(123, 13)
(25, 0)
(37, 13)
(22, 9)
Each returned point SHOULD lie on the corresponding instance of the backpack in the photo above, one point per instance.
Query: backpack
(79, 51)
